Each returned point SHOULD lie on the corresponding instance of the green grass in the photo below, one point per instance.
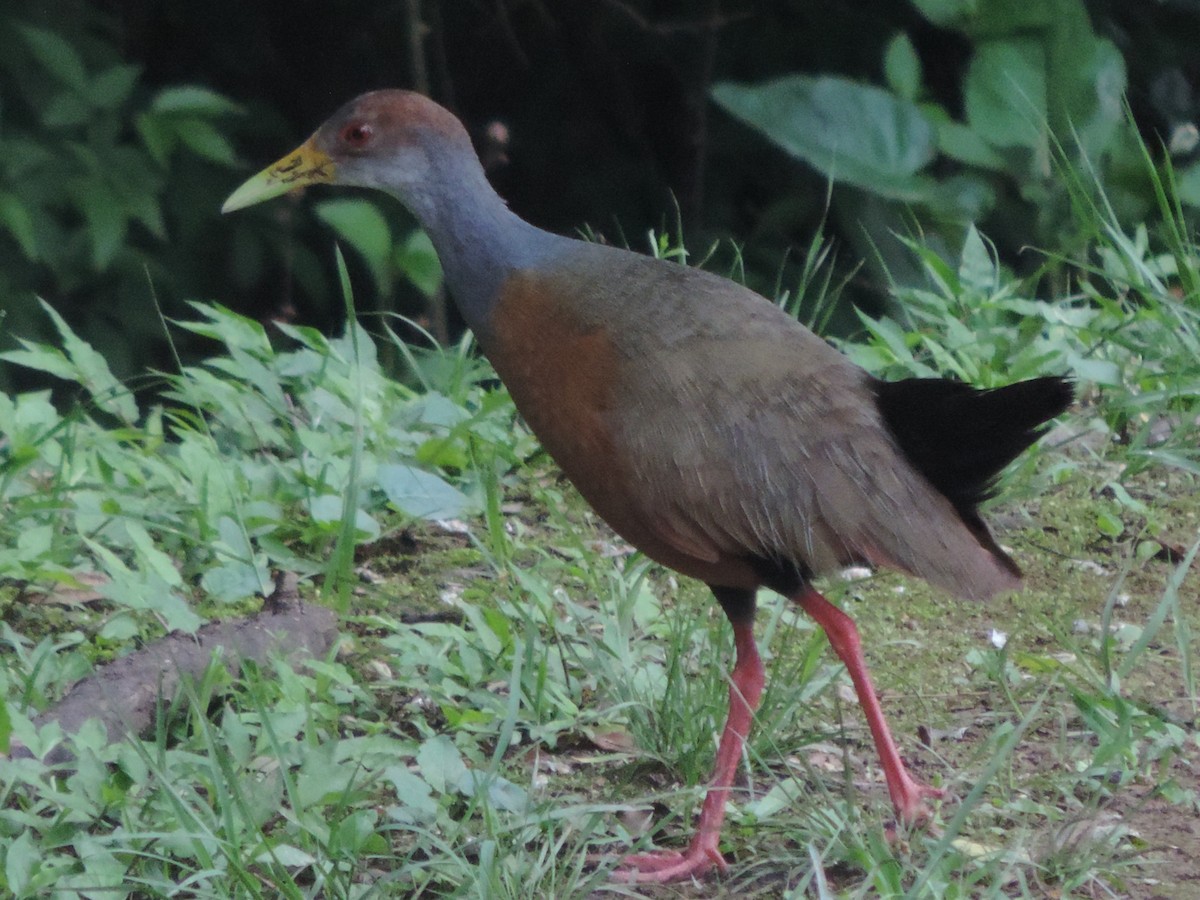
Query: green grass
(515, 691)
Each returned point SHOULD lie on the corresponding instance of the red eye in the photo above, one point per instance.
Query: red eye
(357, 135)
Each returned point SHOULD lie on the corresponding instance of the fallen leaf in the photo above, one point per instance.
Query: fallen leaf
(636, 821)
(613, 741)
(1106, 828)
(824, 761)
(82, 592)
(379, 670)
(1169, 552)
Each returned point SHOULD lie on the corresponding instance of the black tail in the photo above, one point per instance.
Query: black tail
(960, 438)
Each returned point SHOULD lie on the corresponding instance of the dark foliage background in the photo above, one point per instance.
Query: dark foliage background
(123, 125)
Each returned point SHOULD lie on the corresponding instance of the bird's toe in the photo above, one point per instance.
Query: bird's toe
(666, 866)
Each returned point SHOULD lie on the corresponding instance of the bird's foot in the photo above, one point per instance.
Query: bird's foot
(665, 866)
(912, 814)
(909, 796)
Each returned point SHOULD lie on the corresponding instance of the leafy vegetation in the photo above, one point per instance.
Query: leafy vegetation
(249, 459)
(513, 687)
(95, 203)
(1037, 75)
(515, 691)
(934, 116)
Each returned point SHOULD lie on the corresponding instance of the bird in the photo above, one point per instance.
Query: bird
(710, 429)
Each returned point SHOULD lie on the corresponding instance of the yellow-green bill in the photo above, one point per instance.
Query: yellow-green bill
(303, 166)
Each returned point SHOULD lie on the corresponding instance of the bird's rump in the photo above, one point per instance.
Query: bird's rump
(798, 475)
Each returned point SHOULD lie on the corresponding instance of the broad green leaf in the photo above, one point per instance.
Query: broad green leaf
(1085, 79)
(236, 737)
(205, 141)
(936, 268)
(1098, 371)
(967, 197)
(987, 18)
(782, 795)
(1005, 93)
(66, 110)
(241, 573)
(413, 794)
(56, 56)
(26, 417)
(286, 855)
(977, 270)
(1036, 663)
(441, 764)
(101, 868)
(35, 543)
(78, 362)
(150, 556)
(965, 144)
(1127, 500)
(356, 344)
(442, 453)
(360, 224)
(145, 208)
(232, 581)
(15, 217)
(851, 132)
(235, 539)
(1109, 524)
(230, 328)
(902, 67)
(422, 494)
(193, 100)
(889, 334)
(945, 12)
(21, 858)
(106, 221)
(419, 263)
(312, 339)
(158, 136)
(501, 793)
(327, 509)
(322, 779)
(142, 589)
(354, 835)
(93, 371)
(1187, 182)
(438, 410)
(43, 358)
(112, 87)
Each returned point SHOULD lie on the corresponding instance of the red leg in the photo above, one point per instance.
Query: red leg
(703, 852)
(907, 794)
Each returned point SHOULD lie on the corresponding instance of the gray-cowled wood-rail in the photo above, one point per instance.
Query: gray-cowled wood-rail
(711, 430)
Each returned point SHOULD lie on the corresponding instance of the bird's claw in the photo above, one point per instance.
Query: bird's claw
(910, 805)
(665, 866)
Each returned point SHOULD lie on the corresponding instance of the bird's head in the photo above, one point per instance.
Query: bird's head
(385, 139)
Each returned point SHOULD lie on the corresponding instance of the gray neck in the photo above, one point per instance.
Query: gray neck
(478, 239)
